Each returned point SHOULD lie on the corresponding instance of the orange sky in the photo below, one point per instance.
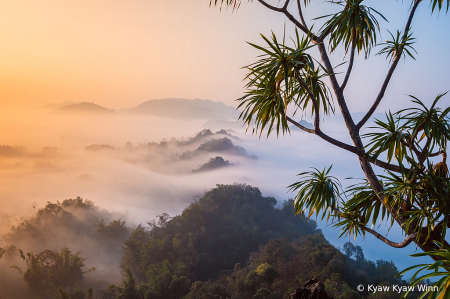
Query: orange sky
(120, 53)
(117, 53)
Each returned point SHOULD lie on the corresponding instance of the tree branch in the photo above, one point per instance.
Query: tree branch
(315, 104)
(347, 147)
(292, 19)
(352, 58)
(435, 154)
(319, 42)
(340, 98)
(426, 147)
(402, 244)
(270, 6)
(391, 70)
(300, 13)
(286, 4)
(299, 125)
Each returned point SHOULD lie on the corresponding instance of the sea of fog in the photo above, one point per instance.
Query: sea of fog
(117, 162)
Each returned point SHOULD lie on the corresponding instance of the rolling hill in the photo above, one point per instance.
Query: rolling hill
(84, 108)
(186, 109)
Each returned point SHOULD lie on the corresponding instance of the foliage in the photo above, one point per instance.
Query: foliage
(75, 293)
(114, 232)
(129, 290)
(212, 164)
(413, 191)
(336, 288)
(439, 269)
(351, 250)
(72, 216)
(214, 233)
(355, 23)
(199, 253)
(283, 76)
(317, 192)
(397, 45)
(50, 270)
(223, 145)
(420, 193)
(281, 266)
(76, 223)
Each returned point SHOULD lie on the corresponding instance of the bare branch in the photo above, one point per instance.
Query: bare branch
(335, 142)
(284, 10)
(390, 72)
(435, 154)
(299, 125)
(411, 146)
(270, 6)
(426, 147)
(402, 244)
(315, 104)
(438, 227)
(286, 5)
(338, 92)
(352, 58)
(300, 13)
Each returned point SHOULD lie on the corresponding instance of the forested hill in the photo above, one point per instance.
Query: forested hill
(232, 242)
(214, 233)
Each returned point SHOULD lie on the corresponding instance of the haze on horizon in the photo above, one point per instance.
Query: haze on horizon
(119, 54)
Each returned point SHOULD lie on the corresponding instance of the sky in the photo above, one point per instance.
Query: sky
(119, 54)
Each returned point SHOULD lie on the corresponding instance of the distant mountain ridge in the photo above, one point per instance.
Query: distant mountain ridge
(83, 108)
(53, 106)
(186, 109)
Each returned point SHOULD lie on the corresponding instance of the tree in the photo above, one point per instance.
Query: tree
(355, 251)
(413, 194)
(52, 269)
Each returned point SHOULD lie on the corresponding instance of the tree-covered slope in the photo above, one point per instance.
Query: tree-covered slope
(214, 233)
(234, 243)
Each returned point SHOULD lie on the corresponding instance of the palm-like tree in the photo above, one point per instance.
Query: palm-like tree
(413, 193)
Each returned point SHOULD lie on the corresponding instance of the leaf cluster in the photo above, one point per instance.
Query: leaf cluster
(402, 135)
(439, 269)
(419, 195)
(354, 24)
(317, 192)
(361, 208)
(395, 47)
(283, 76)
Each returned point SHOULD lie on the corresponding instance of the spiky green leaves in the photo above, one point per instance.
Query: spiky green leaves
(400, 44)
(440, 269)
(356, 21)
(392, 137)
(362, 207)
(422, 197)
(421, 194)
(274, 84)
(439, 4)
(420, 129)
(431, 123)
(318, 192)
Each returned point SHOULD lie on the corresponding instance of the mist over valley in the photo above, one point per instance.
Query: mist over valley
(87, 180)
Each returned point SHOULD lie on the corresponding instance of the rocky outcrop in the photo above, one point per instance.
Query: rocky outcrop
(312, 289)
